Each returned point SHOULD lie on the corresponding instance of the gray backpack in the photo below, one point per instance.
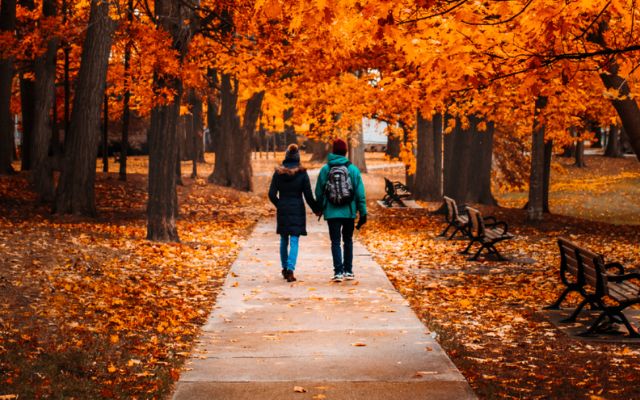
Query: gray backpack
(339, 190)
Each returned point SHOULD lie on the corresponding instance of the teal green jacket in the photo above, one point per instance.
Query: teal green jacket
(359, 203)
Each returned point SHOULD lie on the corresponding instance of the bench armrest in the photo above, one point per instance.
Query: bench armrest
(502, 224)
(625, 277)
(615, 265)
(489, 220)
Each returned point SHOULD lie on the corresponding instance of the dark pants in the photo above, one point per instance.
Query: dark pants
(341, 228)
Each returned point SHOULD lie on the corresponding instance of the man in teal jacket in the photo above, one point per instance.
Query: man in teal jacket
(341, 218)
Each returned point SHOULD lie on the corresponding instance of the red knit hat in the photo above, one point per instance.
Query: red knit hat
(339, 147)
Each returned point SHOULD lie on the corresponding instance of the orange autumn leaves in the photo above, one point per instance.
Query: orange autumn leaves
(129, 308)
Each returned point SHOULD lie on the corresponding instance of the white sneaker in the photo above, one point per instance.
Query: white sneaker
(349, 276)
(338, 278)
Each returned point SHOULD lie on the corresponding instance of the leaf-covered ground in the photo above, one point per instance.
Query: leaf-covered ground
(487, 314)
(89, 309)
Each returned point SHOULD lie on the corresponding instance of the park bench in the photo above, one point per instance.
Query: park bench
(609, 293)
(395, 192)
(570, 276)
(459, 223)
(487, 232)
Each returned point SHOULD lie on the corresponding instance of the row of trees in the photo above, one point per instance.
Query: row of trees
(465, 87)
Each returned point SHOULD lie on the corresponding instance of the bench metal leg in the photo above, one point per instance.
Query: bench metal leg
(595, 325)
(574, 314)
(491, 250)
(475, 256)
(456, 230)
(499, 257)
(556, 304)
(633, 333)
(466, 250)
(444, 233)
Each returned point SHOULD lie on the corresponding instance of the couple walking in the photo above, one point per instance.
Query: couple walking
(339, 195)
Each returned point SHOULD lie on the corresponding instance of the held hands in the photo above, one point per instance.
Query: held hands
(361, 221)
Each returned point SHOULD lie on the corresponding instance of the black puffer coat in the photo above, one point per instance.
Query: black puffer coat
(289, 183)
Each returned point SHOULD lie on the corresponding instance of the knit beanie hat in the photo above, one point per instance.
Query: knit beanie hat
(292, 156)
(340, 147)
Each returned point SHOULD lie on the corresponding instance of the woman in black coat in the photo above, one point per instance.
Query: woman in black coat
(289, 183)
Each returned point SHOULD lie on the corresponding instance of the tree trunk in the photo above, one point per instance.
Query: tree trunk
(126, 116)
(162, 206)
(126, 112)
(393, 147)
(579, 155)
(467, 164)
(614, 145)
(27, 103)
(319, 150)
(548, 153)
(7, 142)
(233, 166)
(228, 121)
(535, 208)
(105, 135)
(289, 129)
(356, 148)
(428, 180)
(45, 70)
(480, 186)
(213, 111)
(197, 152)
(625, 105)
(67, 91)
(75, 191)
(457, 162)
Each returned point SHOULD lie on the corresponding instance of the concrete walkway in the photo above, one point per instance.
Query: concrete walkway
(314, 339)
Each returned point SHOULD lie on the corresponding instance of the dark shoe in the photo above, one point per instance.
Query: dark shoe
(284, 273)
(290, 277)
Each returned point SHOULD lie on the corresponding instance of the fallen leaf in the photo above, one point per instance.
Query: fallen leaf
(358, 344)
(299, 389)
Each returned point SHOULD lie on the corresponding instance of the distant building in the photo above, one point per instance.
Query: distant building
(373, 134)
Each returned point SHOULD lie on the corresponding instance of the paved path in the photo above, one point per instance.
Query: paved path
(349, 340)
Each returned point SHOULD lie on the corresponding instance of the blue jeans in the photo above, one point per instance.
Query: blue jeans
(341, 228)
(289, 251)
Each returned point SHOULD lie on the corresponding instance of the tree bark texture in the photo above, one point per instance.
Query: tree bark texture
(75, 192)
(289, 129)
(213, 112)
(162, 206)
(197, 151)
(579, 154)
(627, 107)
(7, 144)
(467, 164)
(319, 150)
(614, 144)
(126, 112)
(27, 104)
(356, 148)
(45, 71)
(535, 208)
(548, 153)
(393, 147)
(428, 177)
(105, 134)
(233, 165)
